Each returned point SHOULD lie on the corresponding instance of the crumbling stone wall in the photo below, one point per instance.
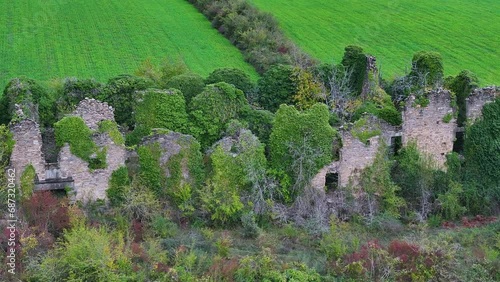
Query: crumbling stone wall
(371, 70)
(478, 98)
(171, 144)
(93, 111)
(356, 155)
(425, 125)
(91, 185)
(28, 148)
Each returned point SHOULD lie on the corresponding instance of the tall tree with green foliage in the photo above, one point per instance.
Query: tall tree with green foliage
(300, 144)
(482, 161)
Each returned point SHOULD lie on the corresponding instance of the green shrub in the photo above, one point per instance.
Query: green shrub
(233, 76)
(429, 63)
(250, 227)
(189, 84)
(212, 109)
(163, 228)
(75, 90)
(121, 93)
(482, 187)
(119, 185)
(110, 127)
(28, 182)
(86, 254)
(36, 101)
(355, 61)
(276, 87)
(447, 118)
(260, 122)
(72, 130)
(300, 138)
(462, 85)
(159, 109)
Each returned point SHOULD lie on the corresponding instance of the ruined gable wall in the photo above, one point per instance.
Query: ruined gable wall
(478, 98)
(355, 156)
(425, 125)
(28, 148)
(92, 184)
(93, 111)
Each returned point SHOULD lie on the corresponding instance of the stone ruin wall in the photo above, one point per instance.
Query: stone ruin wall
(28, 148)
(93, 111)
(477, 99)
(425, 126)
(356, 155)
(92, 184)
(422, 124)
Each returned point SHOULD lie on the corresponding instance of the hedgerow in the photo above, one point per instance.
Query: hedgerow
(255, 33)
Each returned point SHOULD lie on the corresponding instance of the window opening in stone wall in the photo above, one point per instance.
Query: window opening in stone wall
(331, 181)
(396, 144)
(458, 145)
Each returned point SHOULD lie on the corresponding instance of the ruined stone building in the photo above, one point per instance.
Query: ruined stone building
(432, 127)
(70, 171)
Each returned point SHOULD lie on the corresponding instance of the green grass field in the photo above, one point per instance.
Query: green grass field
(466, 33)
(100, 39)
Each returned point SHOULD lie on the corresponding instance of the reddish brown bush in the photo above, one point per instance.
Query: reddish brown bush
(46, 213)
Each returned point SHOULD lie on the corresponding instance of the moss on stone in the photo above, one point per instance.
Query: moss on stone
(110, 127)
(73, 131)
(28, 182)
(363, 132)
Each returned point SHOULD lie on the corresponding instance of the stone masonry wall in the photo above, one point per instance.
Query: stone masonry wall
(92, 184)
(478, 98)
(171, 144)
(355, 156)
(93, 111)
(426, 127)
(28, 148)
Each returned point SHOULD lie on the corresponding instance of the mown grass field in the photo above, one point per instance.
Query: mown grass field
(466, 33)
(100, 39)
